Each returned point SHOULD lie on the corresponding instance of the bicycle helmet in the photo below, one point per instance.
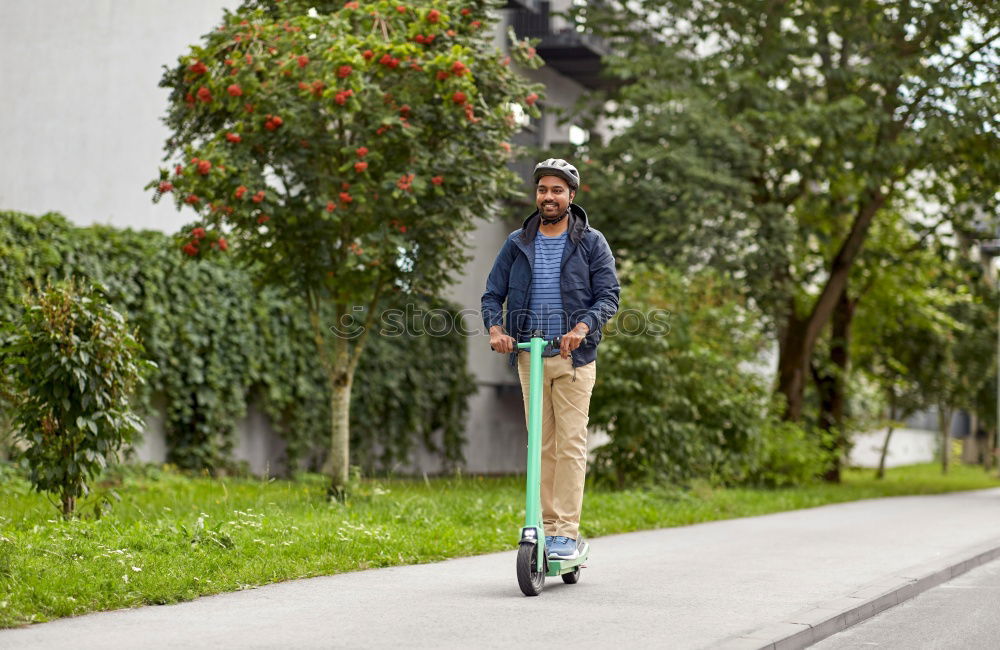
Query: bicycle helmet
(561, 168)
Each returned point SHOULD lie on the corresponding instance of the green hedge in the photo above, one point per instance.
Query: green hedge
(219, 341)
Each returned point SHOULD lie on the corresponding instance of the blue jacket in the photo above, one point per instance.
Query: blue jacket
(587, 281)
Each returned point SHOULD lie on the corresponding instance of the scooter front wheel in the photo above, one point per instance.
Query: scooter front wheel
(530, 577)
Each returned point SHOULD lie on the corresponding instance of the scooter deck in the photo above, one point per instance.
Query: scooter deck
(559, 567)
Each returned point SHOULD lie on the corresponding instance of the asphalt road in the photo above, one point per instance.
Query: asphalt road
(689, 587)
(963, 614)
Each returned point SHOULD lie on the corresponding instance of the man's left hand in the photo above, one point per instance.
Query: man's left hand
(572, 339)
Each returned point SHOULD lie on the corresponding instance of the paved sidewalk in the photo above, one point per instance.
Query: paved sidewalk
(738, 583)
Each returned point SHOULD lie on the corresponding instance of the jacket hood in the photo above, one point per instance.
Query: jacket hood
(578, 224)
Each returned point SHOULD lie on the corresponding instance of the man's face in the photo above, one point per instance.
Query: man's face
(552, 196)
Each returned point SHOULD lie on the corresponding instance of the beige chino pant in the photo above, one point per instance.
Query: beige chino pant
(565, 412)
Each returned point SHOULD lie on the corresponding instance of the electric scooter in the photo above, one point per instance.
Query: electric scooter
(533, 564)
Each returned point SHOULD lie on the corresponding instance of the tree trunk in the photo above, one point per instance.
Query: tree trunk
(793, 361)
(68, 505)
(880, 473)
(800, 335)
(832, 387)
(993, 441)
(339, 357)
(995, 447)
(338, 462)
(944, 425)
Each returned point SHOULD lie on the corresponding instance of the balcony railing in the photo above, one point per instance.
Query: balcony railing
(571, 53)
(530, 5)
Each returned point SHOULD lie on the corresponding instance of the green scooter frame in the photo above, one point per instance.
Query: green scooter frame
(532, 564)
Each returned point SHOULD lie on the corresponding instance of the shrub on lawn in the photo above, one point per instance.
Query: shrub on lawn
(74, 365)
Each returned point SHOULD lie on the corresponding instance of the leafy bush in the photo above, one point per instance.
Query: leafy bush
(75, 367)
(786, 455)
(688, 404)
(218, 340)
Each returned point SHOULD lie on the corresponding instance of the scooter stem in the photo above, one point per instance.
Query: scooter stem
(533, 502)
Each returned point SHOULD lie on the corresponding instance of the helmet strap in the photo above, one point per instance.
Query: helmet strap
(554, 220)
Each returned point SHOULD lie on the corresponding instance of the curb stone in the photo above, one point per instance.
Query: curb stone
(815, 624)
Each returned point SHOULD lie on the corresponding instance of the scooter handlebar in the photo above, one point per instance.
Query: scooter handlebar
(556, 342)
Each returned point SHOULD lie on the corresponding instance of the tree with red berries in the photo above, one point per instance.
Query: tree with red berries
(343, 151)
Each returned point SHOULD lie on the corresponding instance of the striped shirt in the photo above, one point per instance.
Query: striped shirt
(546, 299)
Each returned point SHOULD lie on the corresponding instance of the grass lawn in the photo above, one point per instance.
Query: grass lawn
(174, 538)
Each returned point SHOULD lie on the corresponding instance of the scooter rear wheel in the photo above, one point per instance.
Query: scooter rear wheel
(530, 578)
(572, 577)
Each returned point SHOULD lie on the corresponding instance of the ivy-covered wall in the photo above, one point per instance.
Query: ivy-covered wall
(219, 340)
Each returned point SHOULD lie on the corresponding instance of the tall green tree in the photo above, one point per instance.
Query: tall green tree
(343, 151)
(812, 117)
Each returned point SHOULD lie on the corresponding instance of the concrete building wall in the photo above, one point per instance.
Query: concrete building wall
(80, 129)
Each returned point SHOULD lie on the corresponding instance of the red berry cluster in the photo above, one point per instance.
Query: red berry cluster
(191, 248)
(470, 114)
(389, 61)
(316, 87)
(341, 97)
(272, 122)
(405, 182)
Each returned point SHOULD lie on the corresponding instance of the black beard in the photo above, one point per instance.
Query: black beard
(554, 220)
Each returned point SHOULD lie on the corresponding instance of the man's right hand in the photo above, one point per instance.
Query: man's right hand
(500, 342)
